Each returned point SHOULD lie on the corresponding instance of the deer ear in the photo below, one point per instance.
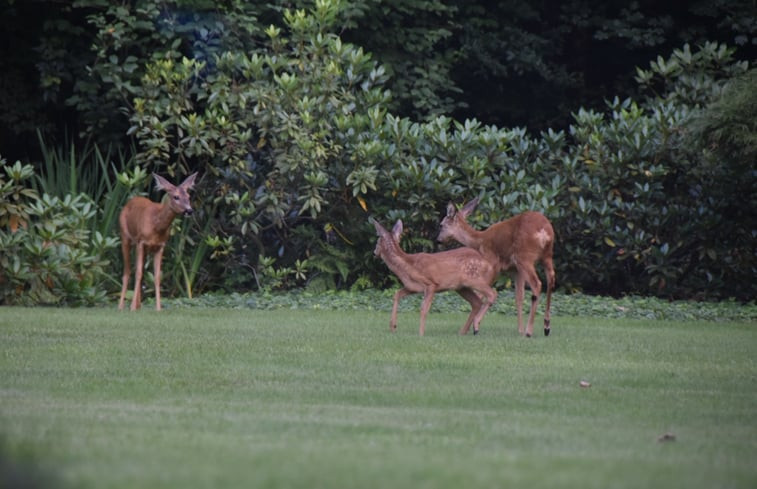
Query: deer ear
(189, 182)
(397, 229)
(451, 210)
(379, 228)
(162, 184)
(468, 208)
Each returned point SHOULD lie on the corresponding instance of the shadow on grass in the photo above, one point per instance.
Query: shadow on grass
(21, 469)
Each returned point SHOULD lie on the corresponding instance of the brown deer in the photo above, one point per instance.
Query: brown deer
(145, 224)
(518, 242)
(463, 270)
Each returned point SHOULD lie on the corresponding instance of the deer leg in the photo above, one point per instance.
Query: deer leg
(428, 298)
(535, 285)
(549, 270)
(126, 251)
(136, 300)
(520, 291)
(397, 296)
(157, 259)
(475, 303)
(489, 296)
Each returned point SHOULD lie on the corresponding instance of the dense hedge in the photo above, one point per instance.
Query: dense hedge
(296, 149)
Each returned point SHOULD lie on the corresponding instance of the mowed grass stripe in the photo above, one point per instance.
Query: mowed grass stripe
(303, 398)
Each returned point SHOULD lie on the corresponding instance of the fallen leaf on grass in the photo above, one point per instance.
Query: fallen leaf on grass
(666, 437)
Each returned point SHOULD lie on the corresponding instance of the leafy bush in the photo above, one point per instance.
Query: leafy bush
(50, 257)
(301, 149)
(648, 199)
(634, 196)
(283, 134)
(296, 147)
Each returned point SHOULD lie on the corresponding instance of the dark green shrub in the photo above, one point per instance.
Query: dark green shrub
(52, 257)
(291, 132)
(647, 199)
(301, 149)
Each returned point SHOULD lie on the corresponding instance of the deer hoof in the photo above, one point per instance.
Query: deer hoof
(546, 331)
(528, 335)
(475, 332)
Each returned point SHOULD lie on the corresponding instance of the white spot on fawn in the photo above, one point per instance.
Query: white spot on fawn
(542, 236)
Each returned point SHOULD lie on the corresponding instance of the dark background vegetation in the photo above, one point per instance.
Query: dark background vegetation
(508, 63)
(630, 124)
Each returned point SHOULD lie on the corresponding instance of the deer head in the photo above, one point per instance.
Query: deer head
(387, 242)
(178, 195)
(455, 219)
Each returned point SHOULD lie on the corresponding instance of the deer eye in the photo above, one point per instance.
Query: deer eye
(175, 197)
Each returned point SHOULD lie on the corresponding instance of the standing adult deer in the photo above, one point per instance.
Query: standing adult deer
(463, 270)
(145, 224)
(518, 242)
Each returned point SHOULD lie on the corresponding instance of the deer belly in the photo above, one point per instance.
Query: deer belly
(149, 248)
(152, 247)
(414, 286)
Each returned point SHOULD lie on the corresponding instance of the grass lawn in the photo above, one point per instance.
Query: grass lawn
(216, 397)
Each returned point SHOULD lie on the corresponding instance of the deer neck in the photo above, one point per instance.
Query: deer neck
(397, 260)
(469, 237)
(163, 218)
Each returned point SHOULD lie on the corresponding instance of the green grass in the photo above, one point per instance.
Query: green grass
(214, 397)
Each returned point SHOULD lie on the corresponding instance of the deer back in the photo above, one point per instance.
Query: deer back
(453, 269)
(526, 237)
(446, 270)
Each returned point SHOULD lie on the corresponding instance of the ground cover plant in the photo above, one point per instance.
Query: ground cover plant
(328, 397)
